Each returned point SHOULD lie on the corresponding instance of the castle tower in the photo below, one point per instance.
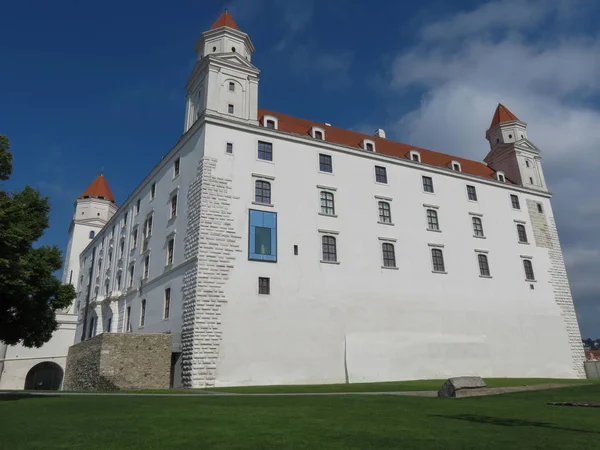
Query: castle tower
(223, 82)
(93, 209)
(512, 153)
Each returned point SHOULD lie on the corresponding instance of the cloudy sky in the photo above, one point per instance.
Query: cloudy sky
(89, 86)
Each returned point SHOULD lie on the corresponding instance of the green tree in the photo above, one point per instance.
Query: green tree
(30, 294)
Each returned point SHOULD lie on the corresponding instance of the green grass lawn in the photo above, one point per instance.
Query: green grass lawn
(520, 421)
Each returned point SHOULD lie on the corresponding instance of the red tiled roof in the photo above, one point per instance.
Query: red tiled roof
(225, 20)
(592, 354)
(99, 189)
(502, 114)
(354, 139)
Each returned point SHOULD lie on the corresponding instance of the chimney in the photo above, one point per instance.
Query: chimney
(379, 133)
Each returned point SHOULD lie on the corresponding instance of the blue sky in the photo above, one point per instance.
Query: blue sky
(87, 85)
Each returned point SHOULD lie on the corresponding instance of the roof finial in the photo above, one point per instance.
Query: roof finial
(102, 171)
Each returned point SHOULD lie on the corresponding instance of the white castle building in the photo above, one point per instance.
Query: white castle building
(278, 250)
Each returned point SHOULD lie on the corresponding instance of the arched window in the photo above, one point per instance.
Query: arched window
(522, 233)
(329, 249)
(385, 214)
(327, 203)
(477, 227)
(437, 258)
(389, 255)
(432, 220)
(484, 268)
(262, 192)
(92, 234)
(528, 266)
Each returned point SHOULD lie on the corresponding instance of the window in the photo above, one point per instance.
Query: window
(229, 148)
(92, 234)
(119, 281)
(477, 227)
(176, 165)
(125, 219)
(369, 147)
(428, 184)
(143, 313)
(170, 248)
(432, 220)
(128, 319)
(167, 305)
(134, 238)
(329, 248)
(385, 215)
(325, 163)
(271, 124)
(415, 157)
(230, 108)
(515, 201)
(539, 208)
(319, 135)
(380, 174)
(522, 233)
(173, 206)
(262, 192)
(106, 287)
(109, 325)
(456, 166)
(472, 193)
(146, 266)
(327, 203)
(152, 191)
(137, 206)
(501, 177)
(121, 248)
(264, 285)
(265, 151)
(438, 260)
(263, 236)
(231, 86)
(389, 255)
(528, 266)
(295, 250)
(484, 267)
(130, 281)
(527, 163)
(112, 232)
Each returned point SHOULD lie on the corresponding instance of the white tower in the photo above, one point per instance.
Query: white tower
(93, 209)
(223, 82)
(511, 151)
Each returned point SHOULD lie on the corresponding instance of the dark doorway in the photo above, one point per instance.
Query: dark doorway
(175, 370)
(45, 376)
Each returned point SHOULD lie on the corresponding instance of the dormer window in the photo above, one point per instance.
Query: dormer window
(500, 177)
(231, 86)
(455, 165)
(318, 133)
(415, 156)
(368, 145)
(270, 122)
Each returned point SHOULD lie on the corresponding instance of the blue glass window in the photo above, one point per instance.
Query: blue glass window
(263, 236)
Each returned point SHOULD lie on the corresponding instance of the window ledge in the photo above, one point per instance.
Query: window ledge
(390, 268)
(437, 271)
(524, 243)
(265, 160)
(270, 205)
(427, 192)
(325, 173)
(166, 319)
(385, 223)
(472, 201)
(382, 183)
(168, 267)
(479, 237)
(530, 281)
(435, 231)
(330, 262)
(328, 215)
(485, 276)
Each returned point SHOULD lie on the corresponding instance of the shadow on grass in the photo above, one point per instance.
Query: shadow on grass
(10, 396)
(510, 422)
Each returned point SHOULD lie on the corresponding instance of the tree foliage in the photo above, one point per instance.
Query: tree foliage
(30, 294)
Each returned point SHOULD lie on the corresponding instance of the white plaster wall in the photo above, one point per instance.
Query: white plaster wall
(356, 321)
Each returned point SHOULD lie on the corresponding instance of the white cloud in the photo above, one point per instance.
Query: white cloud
(468, 63)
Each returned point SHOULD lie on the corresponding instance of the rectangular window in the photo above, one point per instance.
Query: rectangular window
(369, 147)
(271, 124)
(170, 248)
(130, 281)
(263, 236)
(262, 192)
(325, 163)
(318, 135)
(231, 87)
(134, 238)
(152, 191)
(539, 208)
(515, 201)
(428, 184)
(173, 206)
(385, 214)
(265, 151)
(389, 255)
(229, 148)
(327, 203)
(432, 220)
(176, 167)
(264, 285)
(146, 266)
(472, 193)
(528, 266)
(437, 258)
(329, 245)
(137, 206)
(125, 219)
(143, 313)
(119, 281)
(167, 306)
(477, 227)
(380, 174)
(230, 108)
(128, 319)
(484, 267)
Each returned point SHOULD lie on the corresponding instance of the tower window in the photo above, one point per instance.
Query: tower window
(515, 201)
(264, 286)
(428, 184)
(522, 233)
(176, 165)
(389, 255)
(381, 174)
(327, 203)
(296, 250)
(329, 249)
(528, 266)
(432, 220)
(137, 206)
(232, 87)
(526, 163)
(472, 193)
(170, 248)
(477, 227)
(153, 191)
(385, 214)
(325, 163)
(539, 208)
(262, 192)
(229, 148)
(265, 151)
(484, 267)
(230, 108)
(143, 313)
(530, 180)
(167, 305)
(173, 206)
(214, 49)
(146, 266)
(510, 136)
(437, 258)
(233, 49)
(92, 234)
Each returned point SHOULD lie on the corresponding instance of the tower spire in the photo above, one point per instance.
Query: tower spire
(99, 189)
